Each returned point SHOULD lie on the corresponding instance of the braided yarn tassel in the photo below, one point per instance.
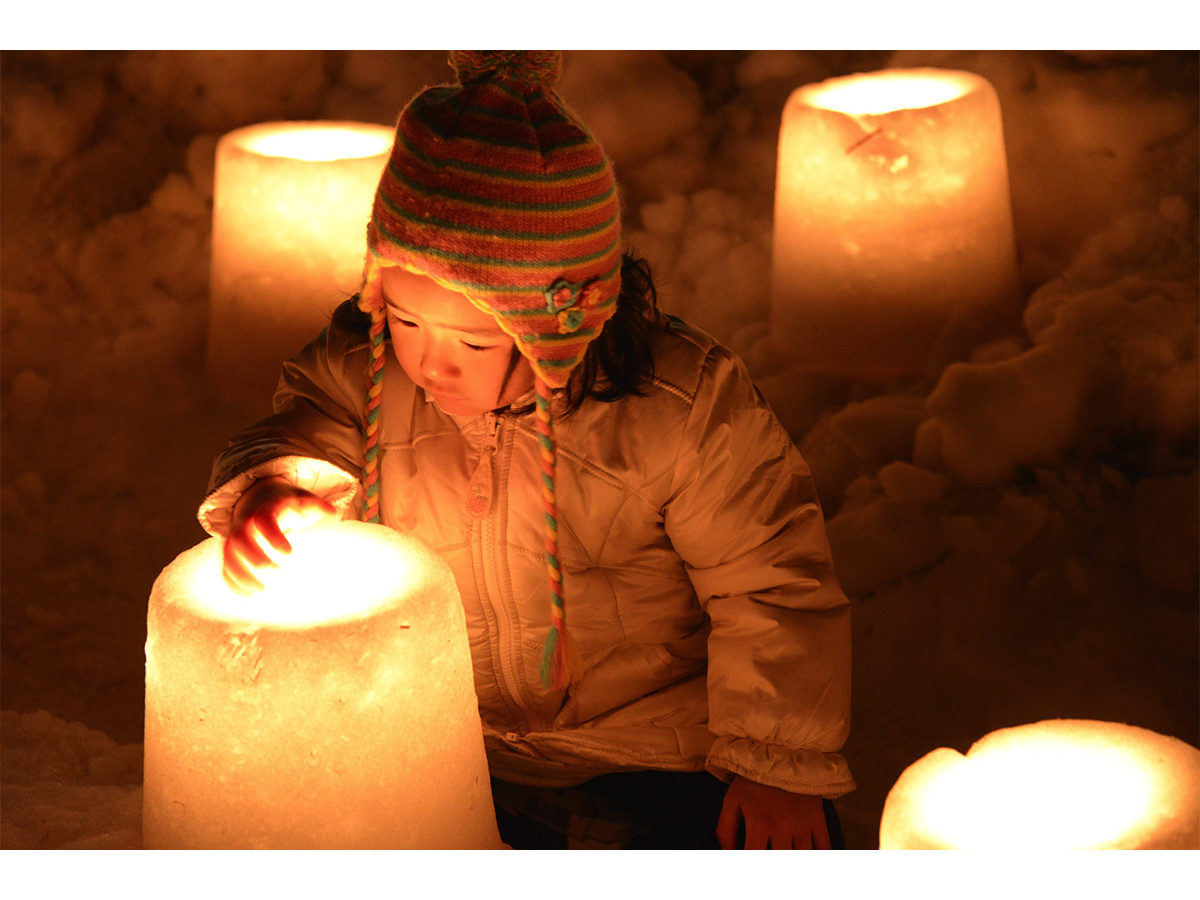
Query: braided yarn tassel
(561, 662)
(370, 471)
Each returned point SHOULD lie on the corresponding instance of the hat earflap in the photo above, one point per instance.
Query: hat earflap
(561, 662)
(371, 301)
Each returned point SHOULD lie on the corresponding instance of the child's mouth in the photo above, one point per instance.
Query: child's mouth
(442, 396)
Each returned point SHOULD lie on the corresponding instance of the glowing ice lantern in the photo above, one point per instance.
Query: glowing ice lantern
(290, 210)
(1059, 784)
(893, 248)
(335, 709)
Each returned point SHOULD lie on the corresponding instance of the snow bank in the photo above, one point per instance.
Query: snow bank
(67, 787)
(1114, 357)
(1105, 402)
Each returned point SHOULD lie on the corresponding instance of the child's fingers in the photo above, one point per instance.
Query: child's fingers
(248, 550)
(315, 503)
(727, 824)
(298, 511)
(245, 585)
(238, 576)
(756, 836)
(820, 839)
(268, 527)
(240, 556)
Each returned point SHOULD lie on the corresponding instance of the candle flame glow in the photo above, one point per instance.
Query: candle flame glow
(319, 143)
(289, 206)
(885, 92)
(988, 799)
(1059, 784)
(334, 710)
(331, 575)
(893, 248)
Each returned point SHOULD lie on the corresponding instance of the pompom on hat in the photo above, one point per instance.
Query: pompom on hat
(494, 189)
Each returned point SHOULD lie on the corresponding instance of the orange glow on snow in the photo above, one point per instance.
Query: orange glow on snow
(985, 801)
(320, 143)
(1056, 785)
(335, 709)
(893, 244)
(884, 92)
(290, 208)
(331, 575)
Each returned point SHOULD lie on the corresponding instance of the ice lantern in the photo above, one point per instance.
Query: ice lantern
(893, 248)
(1058, 784)
(291, 204)
(334, 709)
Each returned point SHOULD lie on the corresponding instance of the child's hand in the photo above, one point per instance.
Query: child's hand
(773, 816)
(257, 518)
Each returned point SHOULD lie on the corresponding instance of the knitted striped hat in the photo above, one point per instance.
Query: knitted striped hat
(495, 189)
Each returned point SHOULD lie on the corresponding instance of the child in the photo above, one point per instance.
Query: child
(639, 548)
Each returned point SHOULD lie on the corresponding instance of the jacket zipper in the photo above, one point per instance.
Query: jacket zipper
(502, 612)
(480, 487)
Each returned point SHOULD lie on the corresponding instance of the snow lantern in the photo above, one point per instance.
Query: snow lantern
(1058, 784)
(893, 251)
(291, 204)
(333, 709)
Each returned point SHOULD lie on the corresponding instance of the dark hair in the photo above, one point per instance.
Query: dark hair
(620, 361)
(617, 364)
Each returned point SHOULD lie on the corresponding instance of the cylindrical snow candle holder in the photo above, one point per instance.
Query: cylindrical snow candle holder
(1059, 784)
(291, 202)
(333, 709)
(893, 246)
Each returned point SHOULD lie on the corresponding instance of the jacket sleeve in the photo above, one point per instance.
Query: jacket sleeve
(314, 437)
(743, 515)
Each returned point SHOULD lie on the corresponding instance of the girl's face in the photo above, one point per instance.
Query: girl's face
(449, 347)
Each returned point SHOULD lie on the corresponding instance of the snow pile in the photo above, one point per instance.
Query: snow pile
(207, 88)
(1106, 401)
(1113, 356)
(636, 103)
(1031, 549)
(1087, 136)
(711, 256)
(67, 787)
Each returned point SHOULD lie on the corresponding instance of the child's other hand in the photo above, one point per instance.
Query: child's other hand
(256, 523)
(774, 817)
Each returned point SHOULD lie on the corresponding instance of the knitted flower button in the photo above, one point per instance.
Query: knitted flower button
(589, 294)
(561, 295)
(569, 320)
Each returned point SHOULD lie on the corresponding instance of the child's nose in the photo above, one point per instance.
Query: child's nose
(436, 363)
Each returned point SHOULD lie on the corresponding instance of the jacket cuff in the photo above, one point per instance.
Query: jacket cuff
(322, 478)
(798, 771)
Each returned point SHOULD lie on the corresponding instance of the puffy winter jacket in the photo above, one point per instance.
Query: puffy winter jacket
(697, 574)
